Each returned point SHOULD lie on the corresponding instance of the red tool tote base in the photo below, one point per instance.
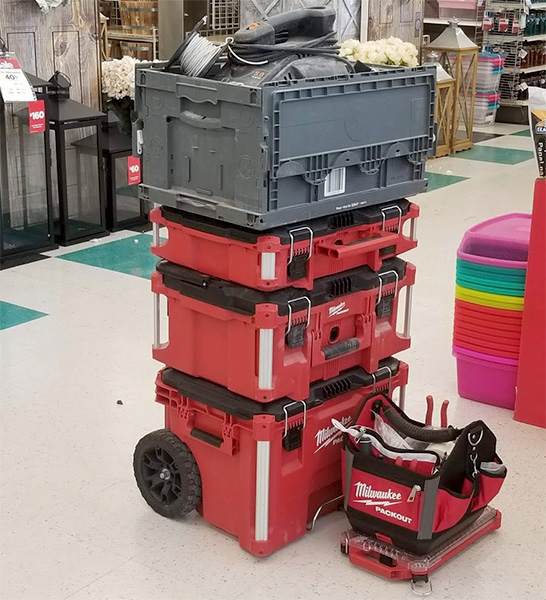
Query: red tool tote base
(395, 564)
(261, 472)
(289, 256)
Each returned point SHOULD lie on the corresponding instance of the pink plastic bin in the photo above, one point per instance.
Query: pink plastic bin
(499, 242)
(486, 378)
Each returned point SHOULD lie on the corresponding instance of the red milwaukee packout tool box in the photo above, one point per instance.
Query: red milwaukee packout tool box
(290, 256)
(266, 345)
(268, 469)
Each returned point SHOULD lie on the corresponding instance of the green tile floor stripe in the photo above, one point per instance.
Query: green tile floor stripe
(13, 314)
(523, 133)
(439, 180)
(503, 156)
(131, 256)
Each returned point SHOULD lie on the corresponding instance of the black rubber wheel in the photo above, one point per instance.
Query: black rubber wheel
(167, 474)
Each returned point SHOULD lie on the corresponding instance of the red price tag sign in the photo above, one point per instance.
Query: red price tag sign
(36, 116)
(133, 170)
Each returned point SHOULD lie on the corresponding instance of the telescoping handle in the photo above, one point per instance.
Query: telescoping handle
(157, 296)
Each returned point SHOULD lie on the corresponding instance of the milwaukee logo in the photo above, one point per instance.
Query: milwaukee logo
(6, 65)
(331, 435)
(337, 310)
(376, 497)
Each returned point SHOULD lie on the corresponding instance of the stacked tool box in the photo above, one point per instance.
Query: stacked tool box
(282, 275)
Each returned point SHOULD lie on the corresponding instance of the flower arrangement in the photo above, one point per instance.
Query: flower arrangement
(118, 88)
(392, 51)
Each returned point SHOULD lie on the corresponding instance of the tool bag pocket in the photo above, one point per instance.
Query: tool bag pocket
(423, 487)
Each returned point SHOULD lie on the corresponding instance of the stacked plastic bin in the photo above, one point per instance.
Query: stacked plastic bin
(491, 269)
(487, 96)
(283, 204)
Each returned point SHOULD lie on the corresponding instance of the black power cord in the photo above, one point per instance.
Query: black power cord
(325, 45)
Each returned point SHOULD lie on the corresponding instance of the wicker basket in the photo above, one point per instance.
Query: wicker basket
(138, 16)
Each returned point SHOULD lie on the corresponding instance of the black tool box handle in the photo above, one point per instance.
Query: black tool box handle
(306, 22)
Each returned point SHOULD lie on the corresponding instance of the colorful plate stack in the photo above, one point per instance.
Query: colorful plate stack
(491, 269)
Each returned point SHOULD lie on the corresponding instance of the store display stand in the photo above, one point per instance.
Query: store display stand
(531, 387)
(516, 48)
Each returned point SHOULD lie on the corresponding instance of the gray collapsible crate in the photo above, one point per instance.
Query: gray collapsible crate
(285, 151)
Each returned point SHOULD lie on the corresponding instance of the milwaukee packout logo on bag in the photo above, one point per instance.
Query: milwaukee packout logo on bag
(380, 500)
(376, 497)
(331, 435)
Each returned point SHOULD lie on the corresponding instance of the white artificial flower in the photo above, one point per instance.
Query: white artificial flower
(118, 77)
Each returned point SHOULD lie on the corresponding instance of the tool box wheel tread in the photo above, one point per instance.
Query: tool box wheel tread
(167, 474)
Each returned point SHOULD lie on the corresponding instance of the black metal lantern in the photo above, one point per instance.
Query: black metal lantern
(123, 207)
(26, 226)
(77, 177)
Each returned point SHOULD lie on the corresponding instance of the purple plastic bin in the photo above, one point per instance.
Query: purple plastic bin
(499, 242)
(486, 378)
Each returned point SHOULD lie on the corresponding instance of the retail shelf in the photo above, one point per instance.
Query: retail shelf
(137, 37)
(525, 69)
(514, 6)
(463, 23)
(505, 102)
(506, 39)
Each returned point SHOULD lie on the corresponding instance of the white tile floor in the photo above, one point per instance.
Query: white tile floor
(73, 524)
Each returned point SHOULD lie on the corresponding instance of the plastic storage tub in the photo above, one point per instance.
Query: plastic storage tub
(487, 271)
(499, 242)
(485, 107)
(489, 313)
(267, 470)
(461, 9)
(484, 298)
(287, 151)
(287, 256)
(486, 378)
(266, 345)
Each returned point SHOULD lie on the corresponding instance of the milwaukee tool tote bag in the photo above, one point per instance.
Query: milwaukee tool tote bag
(412, 485)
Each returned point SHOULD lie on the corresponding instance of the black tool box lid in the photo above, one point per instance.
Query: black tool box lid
(233, 404)
(321, 226)
(243, 300)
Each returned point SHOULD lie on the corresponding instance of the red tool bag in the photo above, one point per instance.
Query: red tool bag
(418, 496)
(289, 256)
(266, 345)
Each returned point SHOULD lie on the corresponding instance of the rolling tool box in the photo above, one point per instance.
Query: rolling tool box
(290, 256)
(266, 345)
(262, 472)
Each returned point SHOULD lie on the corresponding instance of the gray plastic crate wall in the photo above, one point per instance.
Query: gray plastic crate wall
(287, 151)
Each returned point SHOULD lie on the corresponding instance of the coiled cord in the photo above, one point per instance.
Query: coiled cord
(197, 54)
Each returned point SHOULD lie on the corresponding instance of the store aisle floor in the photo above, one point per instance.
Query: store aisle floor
(77, 390)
